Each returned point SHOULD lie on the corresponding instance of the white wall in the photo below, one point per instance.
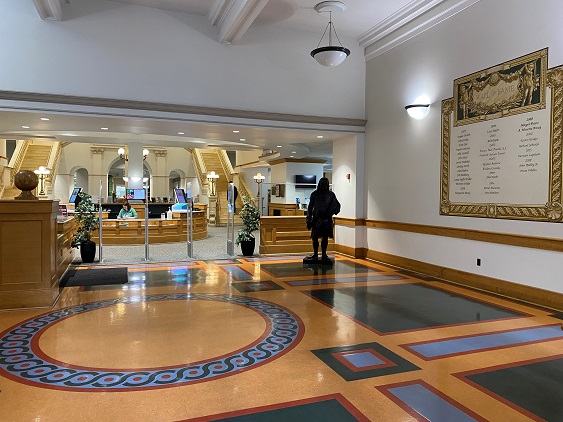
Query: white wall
(348, 185)
(403, 155)
(114, 50)
(285, 173)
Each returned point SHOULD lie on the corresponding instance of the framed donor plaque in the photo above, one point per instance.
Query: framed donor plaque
(502, 135)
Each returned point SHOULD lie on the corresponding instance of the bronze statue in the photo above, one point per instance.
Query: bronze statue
(322, 206)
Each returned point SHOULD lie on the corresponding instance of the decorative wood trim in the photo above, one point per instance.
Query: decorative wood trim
(529, 294)
(296, 160)
(345, 221)
(176, 108)
(359, 253)
(543, 243)
(252, 164)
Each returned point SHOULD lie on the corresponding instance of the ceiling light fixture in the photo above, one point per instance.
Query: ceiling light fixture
(418, 111)
(180, 133)
(278, 146)
(236, 131)
(319, 136)
(25, 127)
(45, 119)
(104, 128)
(330, 55)
(242, 139)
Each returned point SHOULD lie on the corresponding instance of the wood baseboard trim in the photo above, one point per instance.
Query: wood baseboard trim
(353, 252)
(509, 289)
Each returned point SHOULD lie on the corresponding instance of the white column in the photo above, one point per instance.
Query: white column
(135, 165)
(97, 175)
(160, 177)
(348, 185)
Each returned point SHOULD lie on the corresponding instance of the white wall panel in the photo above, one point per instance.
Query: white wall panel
(403, 155)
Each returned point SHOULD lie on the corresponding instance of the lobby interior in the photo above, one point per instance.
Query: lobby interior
(423, 316)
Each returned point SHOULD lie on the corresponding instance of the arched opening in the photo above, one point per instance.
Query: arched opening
(117, 180)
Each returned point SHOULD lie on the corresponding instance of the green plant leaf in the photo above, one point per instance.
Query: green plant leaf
(87, 222)
(250, 216)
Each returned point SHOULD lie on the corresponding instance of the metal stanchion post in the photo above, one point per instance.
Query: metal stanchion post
(190, 228)
(146, 225)
(231, 220)
(100, 225)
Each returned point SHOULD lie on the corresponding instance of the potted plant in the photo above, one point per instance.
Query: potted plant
(250, 216)
(86, 223)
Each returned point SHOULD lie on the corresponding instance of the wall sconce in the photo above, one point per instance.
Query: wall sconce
(42, 173)
(122, 154)
(211, 179)
(418, 111)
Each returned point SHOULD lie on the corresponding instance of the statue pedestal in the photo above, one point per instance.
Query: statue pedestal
(311, 261)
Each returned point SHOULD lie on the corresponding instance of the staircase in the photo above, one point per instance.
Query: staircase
(32, 156)
(214, 160)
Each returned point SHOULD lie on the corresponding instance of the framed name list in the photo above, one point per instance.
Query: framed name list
(502, 135)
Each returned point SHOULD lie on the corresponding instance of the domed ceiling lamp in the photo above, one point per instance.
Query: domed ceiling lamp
(330, 55)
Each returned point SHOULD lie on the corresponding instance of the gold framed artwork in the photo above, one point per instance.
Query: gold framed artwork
(502, 135)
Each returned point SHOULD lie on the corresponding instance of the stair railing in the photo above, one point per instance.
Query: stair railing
(199, 166)
(17, 158)
(53, 164)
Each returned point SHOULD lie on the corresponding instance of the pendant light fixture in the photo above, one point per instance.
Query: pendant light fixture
(330, 55)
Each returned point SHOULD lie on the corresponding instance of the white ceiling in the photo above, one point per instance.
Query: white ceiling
(360, 16)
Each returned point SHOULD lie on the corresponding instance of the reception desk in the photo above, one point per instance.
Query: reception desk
(275, 209)
(132, 231)
(35, 252)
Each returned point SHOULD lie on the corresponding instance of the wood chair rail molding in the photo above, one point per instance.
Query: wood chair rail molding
(534, 242)
(345, 221)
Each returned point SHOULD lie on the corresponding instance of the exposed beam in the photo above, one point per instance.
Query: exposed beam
(234, 17)
(50, 9)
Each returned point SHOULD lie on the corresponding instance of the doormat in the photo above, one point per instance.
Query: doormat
(95, 277)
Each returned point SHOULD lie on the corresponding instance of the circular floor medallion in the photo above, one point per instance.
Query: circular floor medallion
(22, 361)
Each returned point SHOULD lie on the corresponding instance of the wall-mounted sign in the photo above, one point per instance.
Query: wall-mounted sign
(502, 134)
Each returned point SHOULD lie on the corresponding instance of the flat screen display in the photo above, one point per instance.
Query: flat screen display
(180, 196)
(74, 194)
(134, 194)
(305, 181)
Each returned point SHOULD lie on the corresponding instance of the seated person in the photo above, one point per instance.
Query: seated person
(127, 212)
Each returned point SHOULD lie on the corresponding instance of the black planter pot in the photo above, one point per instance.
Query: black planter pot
(88, 251)
(247, 247)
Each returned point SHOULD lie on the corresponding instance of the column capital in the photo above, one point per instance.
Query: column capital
(160, 152)
(97, 150)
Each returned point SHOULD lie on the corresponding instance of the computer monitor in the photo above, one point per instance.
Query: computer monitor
(134, 194)
(180, 196)
(74, 195)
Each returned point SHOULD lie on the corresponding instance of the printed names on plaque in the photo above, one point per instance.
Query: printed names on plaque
(502, 161)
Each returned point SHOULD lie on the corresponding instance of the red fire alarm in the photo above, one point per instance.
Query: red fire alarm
(348, 176)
